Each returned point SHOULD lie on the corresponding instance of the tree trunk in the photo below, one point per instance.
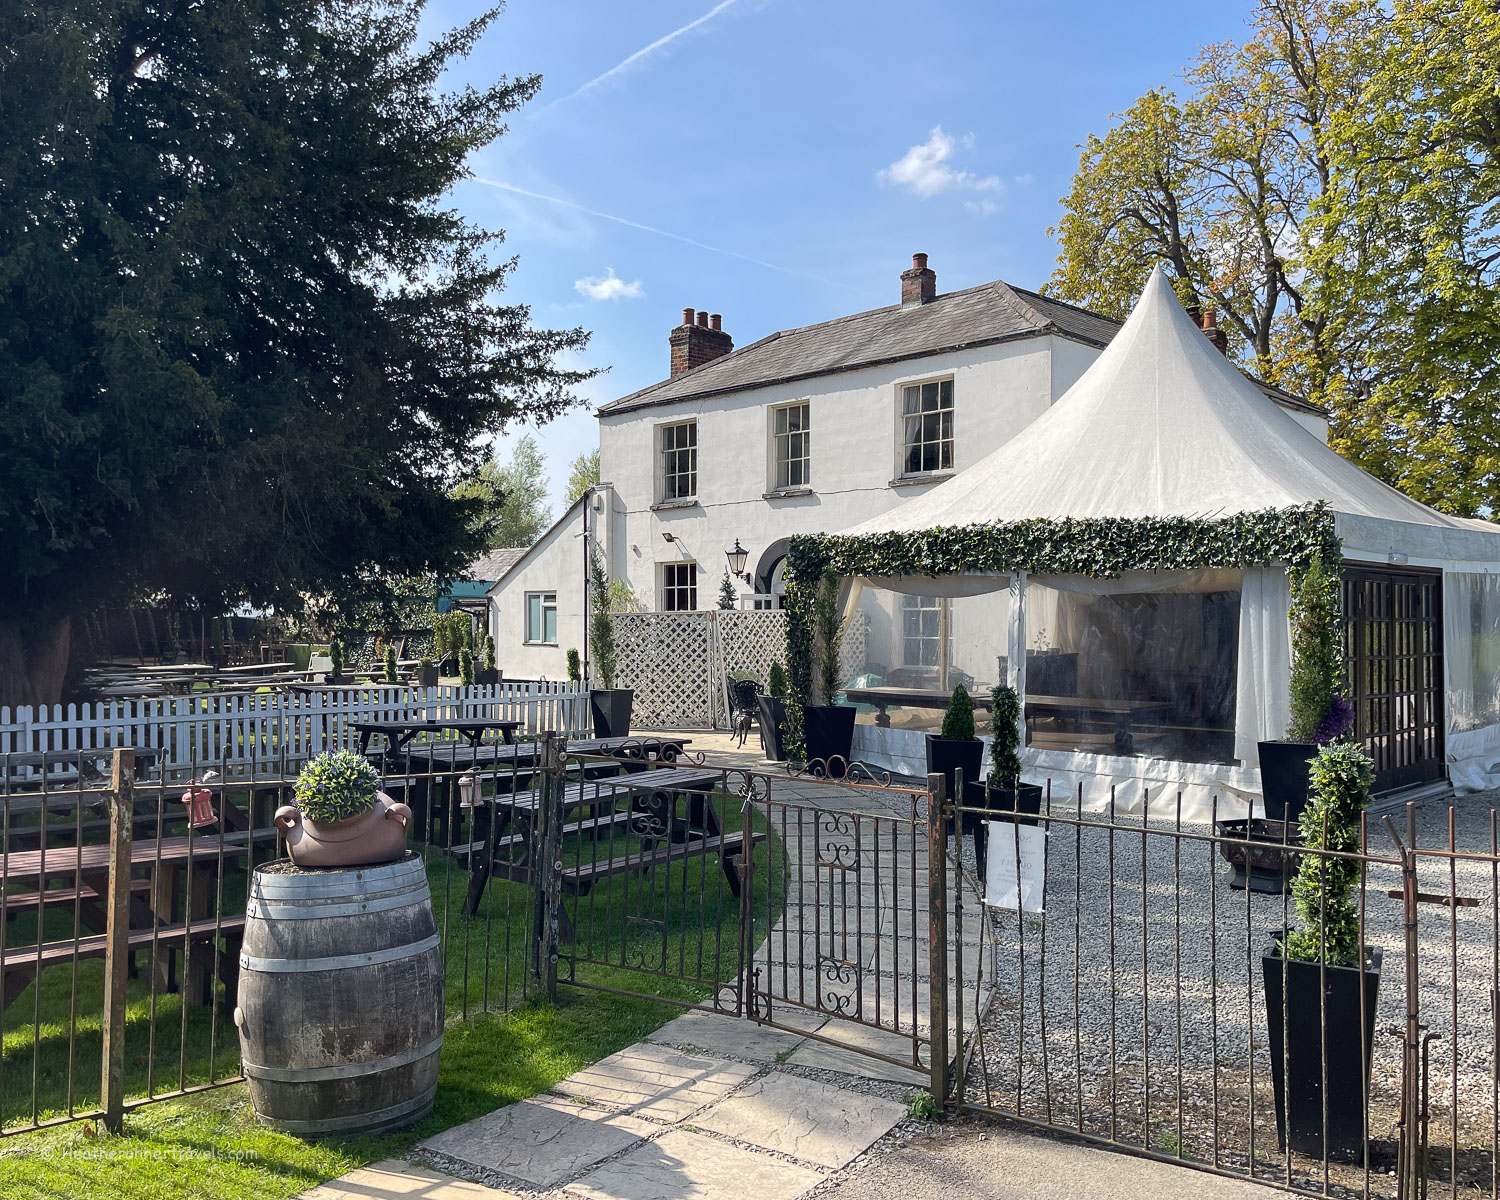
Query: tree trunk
(34, 660)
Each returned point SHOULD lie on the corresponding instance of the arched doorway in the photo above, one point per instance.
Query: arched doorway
(770, 574)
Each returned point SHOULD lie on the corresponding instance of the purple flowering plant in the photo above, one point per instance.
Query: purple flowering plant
(1337, 722)
(333, 787)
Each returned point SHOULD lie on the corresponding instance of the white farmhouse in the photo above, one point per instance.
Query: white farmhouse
(806, 430)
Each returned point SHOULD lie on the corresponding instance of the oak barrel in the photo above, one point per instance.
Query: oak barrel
(341, 997)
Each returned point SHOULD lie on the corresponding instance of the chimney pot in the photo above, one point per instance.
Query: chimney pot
(918, 285)
(703, 318)
(713, 322)
(1209, 323)
(687, 316)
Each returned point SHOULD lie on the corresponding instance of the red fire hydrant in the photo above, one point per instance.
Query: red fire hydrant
(200, 802)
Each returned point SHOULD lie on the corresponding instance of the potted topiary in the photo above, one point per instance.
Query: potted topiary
(427, 673)
(465, 667)
(828, 728)
(1003, 789)
(488, 674)
(340, 817)
(1318, 976)
(390, 663)
(610, 705)
(772, 711)
(956, 748)
(1319, 713)
(336, 662)
(575, 667)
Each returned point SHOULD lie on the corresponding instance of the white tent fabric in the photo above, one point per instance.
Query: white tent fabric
(1162, 424)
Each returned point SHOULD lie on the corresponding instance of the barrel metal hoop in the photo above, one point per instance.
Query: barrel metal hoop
(346, 1071)
(276, 910)
(276, 966)
(347, 882)
(355, 1120)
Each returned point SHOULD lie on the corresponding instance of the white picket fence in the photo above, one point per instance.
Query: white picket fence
(278, 729)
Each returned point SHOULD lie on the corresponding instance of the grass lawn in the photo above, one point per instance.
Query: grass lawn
(671, 933)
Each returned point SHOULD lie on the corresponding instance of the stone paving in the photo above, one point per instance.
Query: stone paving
(713, 1106)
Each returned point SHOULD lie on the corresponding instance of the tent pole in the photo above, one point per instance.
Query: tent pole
(945, 621)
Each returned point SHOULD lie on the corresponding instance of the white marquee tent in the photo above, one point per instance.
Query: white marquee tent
(1162, 424)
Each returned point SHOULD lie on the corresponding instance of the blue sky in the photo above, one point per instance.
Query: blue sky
(779, 161)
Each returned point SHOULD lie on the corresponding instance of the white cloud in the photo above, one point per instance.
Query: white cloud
(926, 170)
(608, 287)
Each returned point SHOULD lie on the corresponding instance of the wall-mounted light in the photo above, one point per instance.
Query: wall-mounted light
(669, 537)
(737, 555)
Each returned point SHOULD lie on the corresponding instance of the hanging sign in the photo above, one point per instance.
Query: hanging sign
(1016, 866)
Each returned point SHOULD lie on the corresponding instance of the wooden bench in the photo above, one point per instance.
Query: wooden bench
(20, 965)
(580, 880)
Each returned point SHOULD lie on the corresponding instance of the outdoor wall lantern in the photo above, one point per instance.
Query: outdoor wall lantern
(737, 555)
(200, 802)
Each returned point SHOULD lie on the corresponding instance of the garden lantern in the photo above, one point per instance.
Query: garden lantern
(737, 555)
(468, 789)
(200, 803)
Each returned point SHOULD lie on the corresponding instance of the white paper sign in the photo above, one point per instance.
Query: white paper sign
(1006, 872)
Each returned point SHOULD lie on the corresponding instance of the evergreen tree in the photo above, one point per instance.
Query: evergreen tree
(246, 344)
(729, 597)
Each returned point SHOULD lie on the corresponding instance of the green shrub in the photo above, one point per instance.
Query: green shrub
(601, 626)
(465, 666)
(828, 635)
(1317, 652)
(922, 1106)
(958, 721)
(575, 666)
(1005, 725)
(1341, 776)
(336, 656)
(777, 682)
(390, 662)
(332, 787)
(489, 653)
(728, 596)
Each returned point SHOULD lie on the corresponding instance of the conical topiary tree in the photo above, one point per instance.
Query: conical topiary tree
(958, 721)
(1005, 725)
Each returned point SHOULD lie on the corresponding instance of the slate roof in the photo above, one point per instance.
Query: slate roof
(493, 564)
(978, 316)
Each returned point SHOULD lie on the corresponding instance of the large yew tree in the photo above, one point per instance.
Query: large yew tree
(246, 348)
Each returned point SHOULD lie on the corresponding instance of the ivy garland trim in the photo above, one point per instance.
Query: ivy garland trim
(1097, 547)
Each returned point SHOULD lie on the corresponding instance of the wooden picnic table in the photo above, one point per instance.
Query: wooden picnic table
(650, 815)
(1120, 713)
(904, 697)
(21, 768)
(84, 870)
(399, 734)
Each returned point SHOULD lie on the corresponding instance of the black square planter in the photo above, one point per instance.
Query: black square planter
(611, 711)
(1297, 1041)
(1284, 770)
(948, 756)
(828, 731)
(771, 713)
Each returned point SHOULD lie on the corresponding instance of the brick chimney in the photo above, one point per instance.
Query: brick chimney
(699, 339)
(1209, 323)
(919, 285)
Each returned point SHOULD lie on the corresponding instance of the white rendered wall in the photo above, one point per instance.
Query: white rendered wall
(855, 448)
(555, 564)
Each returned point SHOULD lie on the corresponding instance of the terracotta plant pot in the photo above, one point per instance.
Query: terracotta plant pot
(376, 836)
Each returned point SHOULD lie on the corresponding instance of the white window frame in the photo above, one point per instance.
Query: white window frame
(905, 446)
(781, 445)
(672, 476)
(543, 608)
(666, 588)
(930, 608)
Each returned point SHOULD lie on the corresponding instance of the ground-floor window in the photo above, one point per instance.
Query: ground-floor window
(921, 630)
(541, 618)
(679, 587)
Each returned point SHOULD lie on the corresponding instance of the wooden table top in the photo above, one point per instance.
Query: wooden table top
(1090, 704)
(911, 697)
(28, 865)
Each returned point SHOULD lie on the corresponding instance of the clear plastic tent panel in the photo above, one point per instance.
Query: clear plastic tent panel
(927, 645)
(1471, 656)
(1142, 673)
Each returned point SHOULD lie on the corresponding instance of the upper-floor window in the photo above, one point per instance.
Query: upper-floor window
(791, 437)
(679, 461)
(541, 618)
(679, 587)
(927, 427)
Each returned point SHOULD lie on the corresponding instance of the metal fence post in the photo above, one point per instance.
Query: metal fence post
(117, 940)
(547, 879)
(937, 934)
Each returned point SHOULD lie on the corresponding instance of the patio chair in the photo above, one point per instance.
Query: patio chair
(742, 689)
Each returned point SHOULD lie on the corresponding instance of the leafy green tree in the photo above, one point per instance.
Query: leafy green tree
(246, 344)
(583, 475)
(1412, 225)
(728, 596)
(511, 498)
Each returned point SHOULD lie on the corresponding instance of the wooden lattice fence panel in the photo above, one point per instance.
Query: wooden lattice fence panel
(667, 658)
(751, 640)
